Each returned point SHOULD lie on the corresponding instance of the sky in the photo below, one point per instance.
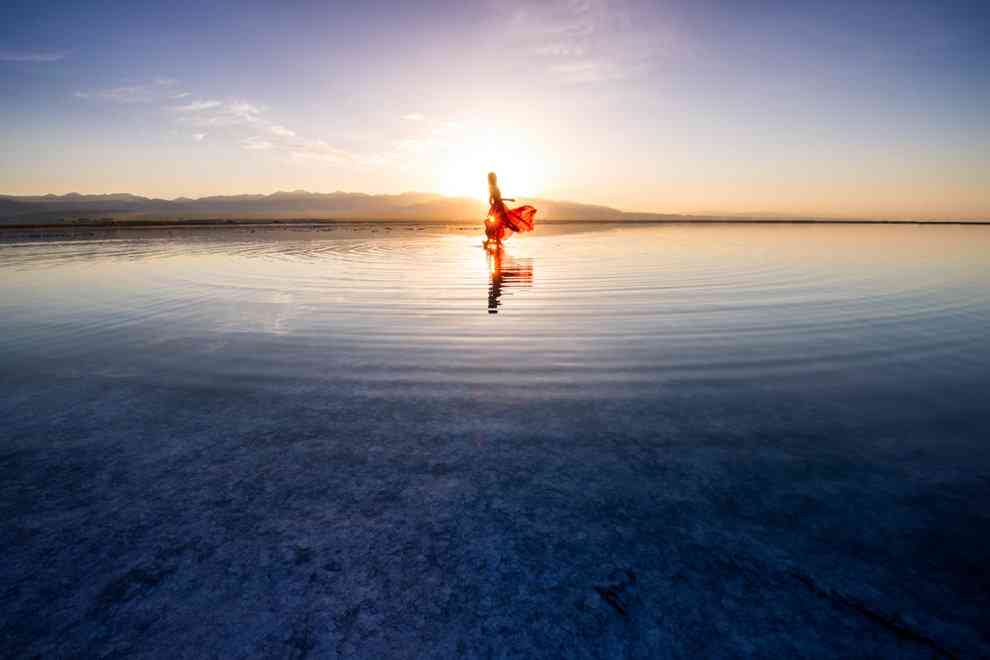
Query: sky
(850, 109)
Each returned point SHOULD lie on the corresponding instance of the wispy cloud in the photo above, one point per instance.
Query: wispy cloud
(211, 112)
(414, 116)
(197, 106)
(232, 117)
(244, 111)
(319, 150)
(236, 121)
(256, 143)
(583, 41)
(31, 56)
(239, 117)
(141, 93)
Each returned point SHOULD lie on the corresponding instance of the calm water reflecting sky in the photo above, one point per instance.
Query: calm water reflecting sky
(752, 420)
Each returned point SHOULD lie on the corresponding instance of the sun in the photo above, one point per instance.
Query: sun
(466, 162)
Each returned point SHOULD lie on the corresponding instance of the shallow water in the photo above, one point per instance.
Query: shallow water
(639, 439)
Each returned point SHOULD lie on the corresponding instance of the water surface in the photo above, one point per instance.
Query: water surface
(637, 439)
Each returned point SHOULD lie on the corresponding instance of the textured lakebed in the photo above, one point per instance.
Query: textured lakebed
(382, 442)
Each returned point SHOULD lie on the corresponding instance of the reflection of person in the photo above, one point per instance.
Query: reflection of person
(502, 221)
(508, 272)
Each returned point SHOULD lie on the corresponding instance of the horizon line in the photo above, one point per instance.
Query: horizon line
(738, 216)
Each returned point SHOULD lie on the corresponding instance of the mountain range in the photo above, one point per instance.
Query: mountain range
(297, 204)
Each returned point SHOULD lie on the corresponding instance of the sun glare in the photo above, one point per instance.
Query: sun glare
(467, 161)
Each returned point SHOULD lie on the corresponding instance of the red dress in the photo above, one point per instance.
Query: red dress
(501, 221)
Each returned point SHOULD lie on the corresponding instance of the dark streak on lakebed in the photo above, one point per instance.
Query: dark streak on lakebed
(670, 441)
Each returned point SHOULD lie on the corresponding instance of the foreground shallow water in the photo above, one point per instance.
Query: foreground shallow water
(631, 440)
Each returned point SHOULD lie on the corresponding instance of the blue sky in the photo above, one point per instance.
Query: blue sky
(839, 108)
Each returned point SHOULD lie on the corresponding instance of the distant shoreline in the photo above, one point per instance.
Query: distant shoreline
(301, 206)
(297, 222)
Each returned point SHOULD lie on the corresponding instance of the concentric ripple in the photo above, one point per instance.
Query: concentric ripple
(621, 310)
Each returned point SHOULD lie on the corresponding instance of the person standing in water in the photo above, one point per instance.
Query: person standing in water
(502, 221)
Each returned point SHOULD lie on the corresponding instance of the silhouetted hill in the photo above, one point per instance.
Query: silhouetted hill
(281, 205)
(302, 205)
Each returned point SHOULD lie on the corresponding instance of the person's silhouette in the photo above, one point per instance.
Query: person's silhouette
(502, 221)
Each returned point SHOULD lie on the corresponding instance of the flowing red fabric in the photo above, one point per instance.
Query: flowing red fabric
(501, 222)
